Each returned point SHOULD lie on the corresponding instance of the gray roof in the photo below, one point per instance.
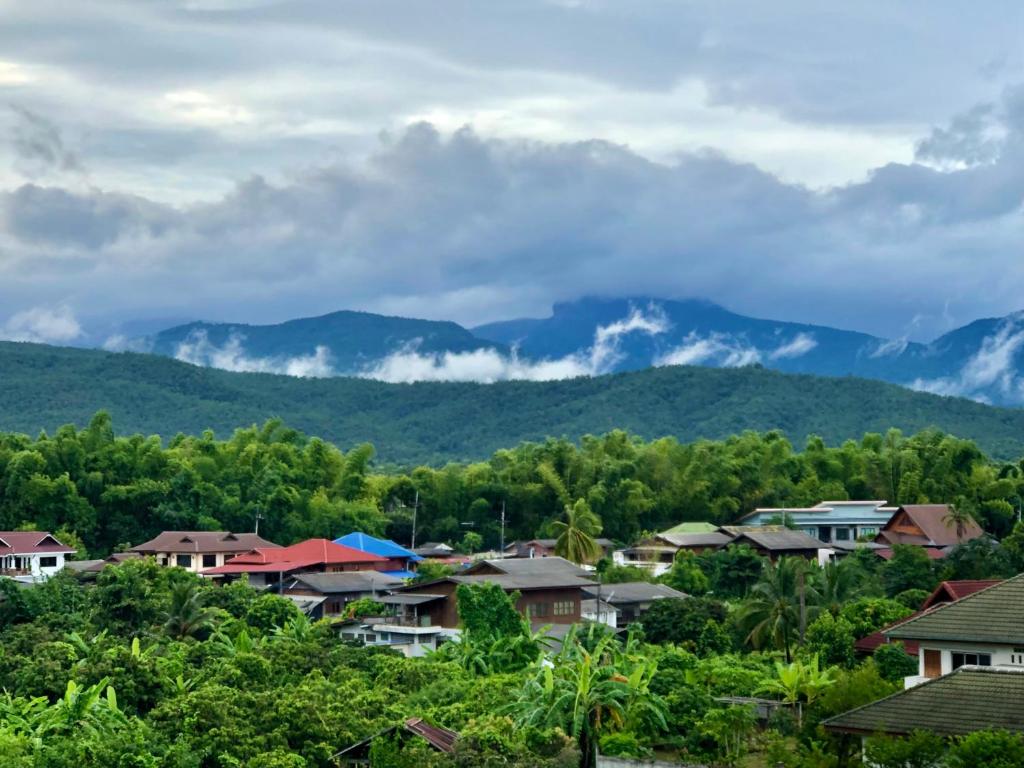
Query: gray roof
(780, 541)
(521, 583)
(992, 615)
(346, 582)
(634, 592)
(531, 566)
(710, 539)
(967, 700)
(414, 599)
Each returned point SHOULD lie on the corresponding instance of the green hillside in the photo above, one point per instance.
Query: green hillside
(43, 387)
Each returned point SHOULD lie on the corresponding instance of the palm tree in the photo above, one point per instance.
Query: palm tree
(590, 691)
(188, 614)
(575, 534)
(771, 613)
(836, 584)
(959, 518)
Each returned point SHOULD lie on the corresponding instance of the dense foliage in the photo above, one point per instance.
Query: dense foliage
(435, 422)
(107, 490)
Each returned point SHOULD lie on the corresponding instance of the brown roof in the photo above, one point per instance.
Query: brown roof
(931, 520)
(439, 738)
(30, 543)
(203, 542)
(948, 591)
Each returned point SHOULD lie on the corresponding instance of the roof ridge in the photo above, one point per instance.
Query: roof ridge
(904, 691)
(942, 606)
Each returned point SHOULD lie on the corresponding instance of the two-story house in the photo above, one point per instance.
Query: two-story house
(928, 526)
(31, 555)
(984, 629)
(828, 521)
(196, 551)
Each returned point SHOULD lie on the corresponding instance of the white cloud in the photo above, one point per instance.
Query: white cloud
(992, 367)
(42, 325)
(715, 348)
(800, 345)
(197, 349)
(890, 347)
(488, 365)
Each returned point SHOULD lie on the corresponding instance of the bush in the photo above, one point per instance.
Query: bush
(912, 598)
(992, 749)
(681, 621)
(894, 663)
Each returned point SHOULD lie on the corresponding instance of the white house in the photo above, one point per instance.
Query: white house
(829, 521)
(31, 555)
(984, 629)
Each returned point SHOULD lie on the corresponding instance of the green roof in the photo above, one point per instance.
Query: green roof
(992, 615)
(967, 700)
(692, 528)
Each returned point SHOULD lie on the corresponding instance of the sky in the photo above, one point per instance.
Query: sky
(859, 165)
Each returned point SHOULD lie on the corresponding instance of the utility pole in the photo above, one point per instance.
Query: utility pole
(502, 529)
(415, 507)
(258, 518)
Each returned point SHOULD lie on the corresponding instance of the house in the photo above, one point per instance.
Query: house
(657, 553)
(334, 591)
(401, 561)
(31, 555)
(198, 550)
(984, 629)
(946, 592)
(967, 700)
(548, 566)
(89, 568)
(546, 548)
(550, 598)
(440, 739)
(828, 521)
(599, 612)
(776, 544)
(392, 631)
(926, 525)
(632, 599)
(270, 566)
(435, 549)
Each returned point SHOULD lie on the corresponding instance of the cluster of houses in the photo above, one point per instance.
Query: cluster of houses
(829, 530)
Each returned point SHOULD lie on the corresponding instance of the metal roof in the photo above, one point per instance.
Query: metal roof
(634, 592)
(967, 700)
(991, 615)
(529, 566)
(780, 541)
(414, 599)
(375, 546)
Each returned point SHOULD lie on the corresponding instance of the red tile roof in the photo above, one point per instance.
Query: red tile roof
(305, 554)
(30, 543)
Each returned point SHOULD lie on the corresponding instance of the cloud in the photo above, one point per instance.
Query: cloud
(42, 325)
(799, 346)
(714, 349)
(489, 365)
(889, 348)
(197, 349)
(992, 369)
(39, 147)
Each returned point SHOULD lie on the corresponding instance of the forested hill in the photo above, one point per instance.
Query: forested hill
(42, 387)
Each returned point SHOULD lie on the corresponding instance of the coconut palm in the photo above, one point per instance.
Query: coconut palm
(836, 584)
(958, 518)
(188, 614)
(771, 614)
(574, 536)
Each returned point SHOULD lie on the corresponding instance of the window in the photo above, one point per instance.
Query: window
(565, 608)
(536, 610)
(971, 659)
(868, 530)
(209, 561)
(183, 561)
(47, 562)
(842, 534)
(811, 532)
(369, 638)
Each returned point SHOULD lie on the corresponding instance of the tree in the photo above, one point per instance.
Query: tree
(680, 621)
(831, 639)
(893, 662)
(981, 558)
(732, 570)
(909, 568)
(575, 534)
(918, 750)
(486, 610)
(472, 542)
(799, 682)
(870, 614)
(992, 749)
(686, 575)
(771, 614)
(959, 519)
(188, 615)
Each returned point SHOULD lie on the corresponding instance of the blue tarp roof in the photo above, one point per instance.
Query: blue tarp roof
(383, 547)
(400, 574)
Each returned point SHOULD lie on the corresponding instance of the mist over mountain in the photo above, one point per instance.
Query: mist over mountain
(594, 336)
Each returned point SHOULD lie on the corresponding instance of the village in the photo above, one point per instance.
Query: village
(963, 641)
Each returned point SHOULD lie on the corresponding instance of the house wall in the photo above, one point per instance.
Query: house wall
(1002, 656)
(26, 565)
(536, 604)
(195, 559)
(854, 519)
